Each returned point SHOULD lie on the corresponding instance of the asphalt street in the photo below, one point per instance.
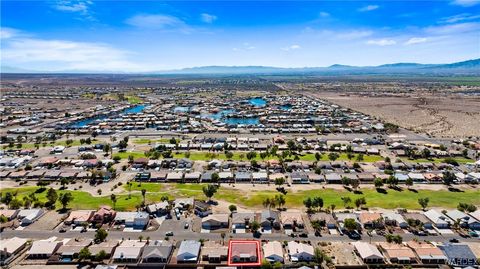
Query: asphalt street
(183, 235)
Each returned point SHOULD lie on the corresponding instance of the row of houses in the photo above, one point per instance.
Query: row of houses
(413, 252)
(428, 219)
(236, 252)
(24, 216)
(291, 221)
(269, 220)
(296, 177)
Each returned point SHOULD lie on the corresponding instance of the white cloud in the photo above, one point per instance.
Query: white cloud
(354, 34)
(459, 18)
(66, 55)
(208, 18)
(416, 40)
(6, 32)
(368, 8)
(458, 28)
(324, 14)
(73, 6)
(81, 7)
(381, 42)
(158, 21)
(465, 3)
(245, 47)
(291, 47)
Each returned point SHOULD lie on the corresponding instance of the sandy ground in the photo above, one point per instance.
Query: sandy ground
(441, 116)
(343, 254)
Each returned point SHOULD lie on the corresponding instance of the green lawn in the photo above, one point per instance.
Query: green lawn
(460, 160)
(83, 200)
(143, 141)
(393, 199)
(149, 187)
(124, 155)
(239, 156)
(133, 99)
(48, 144)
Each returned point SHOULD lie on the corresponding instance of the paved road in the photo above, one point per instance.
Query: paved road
(117, 235)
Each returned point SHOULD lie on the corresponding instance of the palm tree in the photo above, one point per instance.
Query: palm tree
(144, 191)
(223, 237)
(129, 185)
(113, 197)
(266, 202)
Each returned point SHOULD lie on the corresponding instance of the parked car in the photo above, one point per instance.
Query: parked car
(169, 233)
(354, 235)
(303, 235)
(186, 225)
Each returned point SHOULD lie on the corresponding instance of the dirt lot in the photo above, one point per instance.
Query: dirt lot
(341, 253)
(48, 221)
(441, 116)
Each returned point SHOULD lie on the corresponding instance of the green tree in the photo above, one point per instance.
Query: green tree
(360, 201)
(15, 204)
(129, 186)
(209, 190)
(464, 207)
(84, 254)
(346, 201)
(280, 200)
(63, 182)
(392, 181)
(101, 235)
(113, 198)
(251, 155)
(355, 183)
(215, 178)
(65, 198)
(332, 156)
(102, 255)
(232, 208)
(350, 224)
(254, 226)
(144, 192)
(228, 155)
(266, 264)
(409, 182)
(317, 202)
(423, 202)
(279, 181)
(448, 178)
(52, 197)
(318, 256)
(3, 219)
(308, 203)
(7, 198)
(378, 182)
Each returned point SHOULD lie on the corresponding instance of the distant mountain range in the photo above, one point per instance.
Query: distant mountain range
(470, 67)
(465, 67)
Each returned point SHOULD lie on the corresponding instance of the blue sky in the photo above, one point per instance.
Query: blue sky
(138, 36)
